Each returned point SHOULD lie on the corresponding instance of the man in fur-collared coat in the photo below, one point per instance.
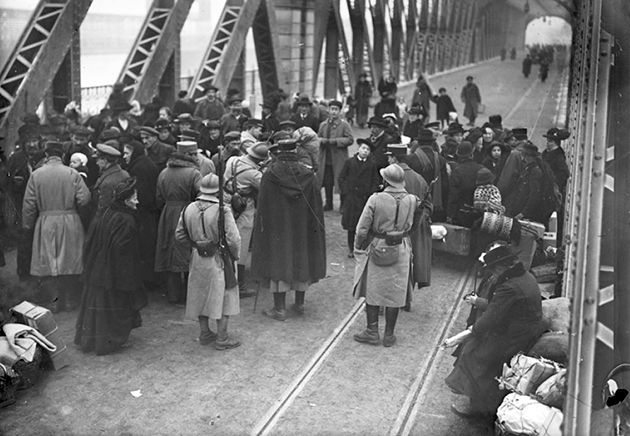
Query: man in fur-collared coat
(335, 137)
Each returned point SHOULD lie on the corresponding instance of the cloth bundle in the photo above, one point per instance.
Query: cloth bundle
(20, 342)
(526, 373)
(552, 391)
(523, 415)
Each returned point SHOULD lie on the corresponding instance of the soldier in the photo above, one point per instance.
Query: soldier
(242, 176)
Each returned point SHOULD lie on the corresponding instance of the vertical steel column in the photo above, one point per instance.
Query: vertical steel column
(331, 64)
(267, 45)
(378, 44)
(423, 34)
(412, 40)
(397, 38)
(357, 15)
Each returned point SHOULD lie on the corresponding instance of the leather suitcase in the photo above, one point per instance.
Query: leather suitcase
(456, 241)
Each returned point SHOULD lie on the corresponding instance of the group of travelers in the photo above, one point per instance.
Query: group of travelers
(203, 200)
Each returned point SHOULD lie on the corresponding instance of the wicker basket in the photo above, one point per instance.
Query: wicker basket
(29, 372)
(9, 381)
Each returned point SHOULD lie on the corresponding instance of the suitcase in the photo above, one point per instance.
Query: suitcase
(456, 241)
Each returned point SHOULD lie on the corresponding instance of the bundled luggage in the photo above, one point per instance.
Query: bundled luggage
(523, 415)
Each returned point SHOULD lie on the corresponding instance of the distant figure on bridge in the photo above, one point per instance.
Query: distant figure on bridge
(184, 104)
(543, 70)
(444, 107)
(362, 95)
(387, 87)
(503, 54)
(527, 66)
(513, 53)
(422, 96)
(471, 97)
(210, 108)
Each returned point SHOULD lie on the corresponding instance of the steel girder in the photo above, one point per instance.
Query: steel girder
(153, 48)
(228, 41)
(30, 69)
(362, 53)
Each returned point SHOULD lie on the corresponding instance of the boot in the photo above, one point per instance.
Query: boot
(370, 335)
(243, 292)
(298, 307)
(223, 341)
(278, 311)
(391, 316)
(206, 335)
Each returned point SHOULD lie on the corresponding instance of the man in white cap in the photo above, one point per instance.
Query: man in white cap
(243, 175)
(54, 194)
(111, 174)
(209, 297)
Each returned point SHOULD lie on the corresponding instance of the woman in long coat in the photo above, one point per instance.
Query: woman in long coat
(113, 294)
(178, 185)
(357, 181)
(511, 322)
(471, 97)
(146, 172)
(208, 297)
(384, 285)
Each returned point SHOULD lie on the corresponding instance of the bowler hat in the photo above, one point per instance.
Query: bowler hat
(495, 120)
(162, 123)
(335, 103)
(377, 121)
(185, 118)
(259, 150)
(484, 176)
(367, 142)
(187, 147)
(520, 133)
(465, 149)
(425, 137)
(149, 131)
(210, 87)
(394, 175)
(304, 101)
(396, 150)
(107, 150)
(209, 185)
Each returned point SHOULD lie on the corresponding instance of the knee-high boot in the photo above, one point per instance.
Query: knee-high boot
(223, 341)
(391, 316)
(370, 334)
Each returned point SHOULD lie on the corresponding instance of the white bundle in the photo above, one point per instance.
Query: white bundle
(438, 233)
(523, 415)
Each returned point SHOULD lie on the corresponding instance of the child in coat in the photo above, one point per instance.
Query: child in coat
(487, 197)
(444, 106)
(358, 180)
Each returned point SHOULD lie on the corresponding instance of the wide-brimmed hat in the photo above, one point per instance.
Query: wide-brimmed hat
(124, 189)
(498, 254)
(187, 147)
(455, 128)
(149, 131)
(528, 149)
(259, 150)
(377, 121)
(465, 149)
(557, 134)
(520, 133)
(396, 150)
(209, 185)
(484, 176)
(367, 142)
(394, 175)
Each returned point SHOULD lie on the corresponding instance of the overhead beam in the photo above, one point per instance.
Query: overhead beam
(267, 45)
(152, 50)
(29, 71)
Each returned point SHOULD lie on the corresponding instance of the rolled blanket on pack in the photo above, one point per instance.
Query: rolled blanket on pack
(23, 340)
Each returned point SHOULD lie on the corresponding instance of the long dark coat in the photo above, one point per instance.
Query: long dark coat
(362, 95)
(444, 105)
(289, 239)
(339, 135)
(103, 189)
(113, 295)
(526, 195)
(357, 181)
(309, 121)
(471, 97)
(512, 322)
(557, 161)
(462, 188)
(178, 184)
(379, 149)
(146, 173)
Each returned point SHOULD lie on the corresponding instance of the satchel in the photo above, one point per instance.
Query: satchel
(238, 203)
(385, 255)
(206, 248)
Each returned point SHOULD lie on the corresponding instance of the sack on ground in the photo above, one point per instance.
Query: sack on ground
(526, 373)
(385, 255)
(556, 314)
(523, 415)
(553, 346)
(552, 391)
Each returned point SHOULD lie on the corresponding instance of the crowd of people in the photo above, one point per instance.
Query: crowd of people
(202, 199)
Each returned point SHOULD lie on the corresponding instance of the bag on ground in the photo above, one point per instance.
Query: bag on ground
(526, 373)
(552, 391)
(523, 415)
